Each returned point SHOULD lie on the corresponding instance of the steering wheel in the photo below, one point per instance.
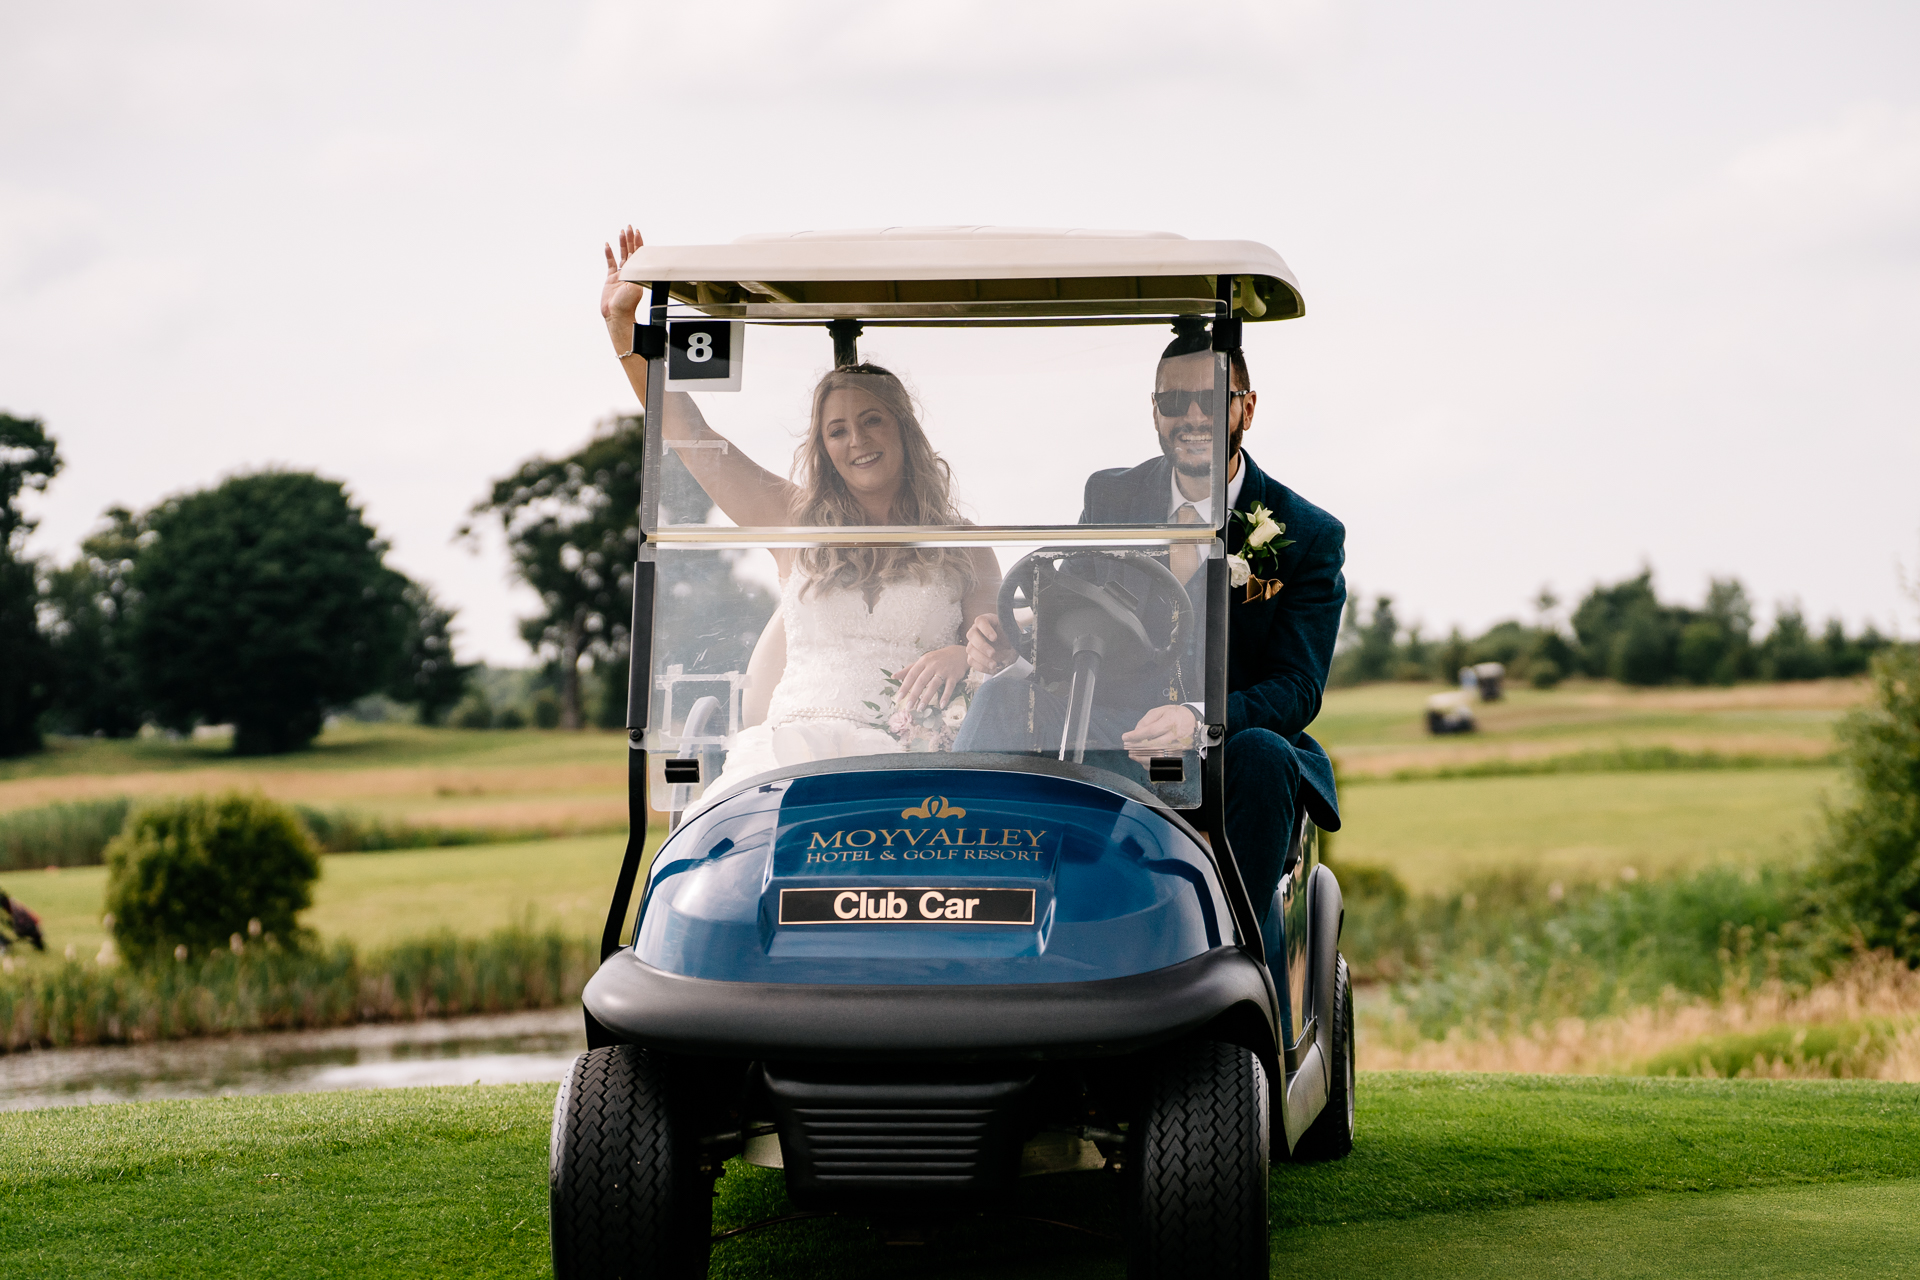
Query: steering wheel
(1077, 615)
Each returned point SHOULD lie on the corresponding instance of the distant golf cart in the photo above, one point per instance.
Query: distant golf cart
(909, 975)
(1451, 712)
(1488, 679)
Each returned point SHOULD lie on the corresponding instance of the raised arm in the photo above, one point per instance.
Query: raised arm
(739, 486)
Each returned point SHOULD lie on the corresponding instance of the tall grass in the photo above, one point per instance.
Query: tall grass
(1511, 950)
(1719, 973)
(75, 833)
(267, 988)
(60, 835)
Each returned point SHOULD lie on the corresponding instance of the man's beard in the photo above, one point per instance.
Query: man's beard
(1170, 446)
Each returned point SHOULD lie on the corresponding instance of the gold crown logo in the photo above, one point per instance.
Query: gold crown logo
(933, 807)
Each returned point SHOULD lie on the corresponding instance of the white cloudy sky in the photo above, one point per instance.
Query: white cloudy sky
(1586, 285)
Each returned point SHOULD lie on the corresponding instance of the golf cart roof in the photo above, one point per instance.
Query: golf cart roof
(921, 273)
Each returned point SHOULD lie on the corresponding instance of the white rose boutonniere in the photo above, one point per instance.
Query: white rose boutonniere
(1260, 553)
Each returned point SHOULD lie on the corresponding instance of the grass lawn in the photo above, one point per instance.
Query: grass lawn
(376, 898)
(1377, 729)
(1466, 1175)
(1581, 826)
(457, 777)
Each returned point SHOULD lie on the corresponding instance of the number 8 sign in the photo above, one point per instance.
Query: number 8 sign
(704, 355)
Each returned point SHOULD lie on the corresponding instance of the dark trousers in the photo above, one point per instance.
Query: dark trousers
(1263, 774)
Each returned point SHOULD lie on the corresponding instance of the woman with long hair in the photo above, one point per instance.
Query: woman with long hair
(851, 618)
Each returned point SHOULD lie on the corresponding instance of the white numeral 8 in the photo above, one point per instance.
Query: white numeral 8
(700, 347)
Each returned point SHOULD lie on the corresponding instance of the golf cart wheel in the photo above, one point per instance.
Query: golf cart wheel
(1330, 1136)
(1200, 1167)
(624, 1194)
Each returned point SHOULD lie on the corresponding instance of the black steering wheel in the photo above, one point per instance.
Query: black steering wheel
(1076, 614)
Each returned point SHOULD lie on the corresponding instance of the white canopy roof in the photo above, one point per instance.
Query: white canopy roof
(923, 272)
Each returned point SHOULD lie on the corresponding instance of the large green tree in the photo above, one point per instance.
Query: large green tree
(28, 460)
(264, 602)
(90, 602)
(572, 527)
(428, 676)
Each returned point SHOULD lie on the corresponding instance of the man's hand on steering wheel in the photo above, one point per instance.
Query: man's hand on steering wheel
(1162, 731)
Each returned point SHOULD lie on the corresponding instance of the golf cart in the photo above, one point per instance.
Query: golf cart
(905, 973)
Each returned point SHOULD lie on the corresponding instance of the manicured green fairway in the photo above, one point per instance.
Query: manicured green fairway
(1581, 826)
(1452, 1175)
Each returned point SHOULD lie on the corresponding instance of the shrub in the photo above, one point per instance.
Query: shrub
(1872, 862)
(194, 872)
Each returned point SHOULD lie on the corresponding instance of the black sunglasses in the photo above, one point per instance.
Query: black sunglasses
(1173, 404)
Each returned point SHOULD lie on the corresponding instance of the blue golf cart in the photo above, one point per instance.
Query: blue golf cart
(909, 965)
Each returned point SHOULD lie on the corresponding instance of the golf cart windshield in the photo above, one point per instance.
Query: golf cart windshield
(827, 524)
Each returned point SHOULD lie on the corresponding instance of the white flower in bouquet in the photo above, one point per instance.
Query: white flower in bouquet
(956, 712)
(1238, 570)
(1264, 530)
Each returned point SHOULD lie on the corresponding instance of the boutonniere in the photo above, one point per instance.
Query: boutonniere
(1259, 553)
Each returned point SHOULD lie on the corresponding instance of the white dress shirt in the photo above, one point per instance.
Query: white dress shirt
(1204, 506)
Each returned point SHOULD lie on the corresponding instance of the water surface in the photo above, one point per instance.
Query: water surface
(508, 1048)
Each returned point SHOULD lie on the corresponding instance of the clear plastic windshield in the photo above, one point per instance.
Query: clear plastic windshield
(933, 426)
(965, 542)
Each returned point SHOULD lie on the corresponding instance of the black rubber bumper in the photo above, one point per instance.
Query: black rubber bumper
(636, 1002)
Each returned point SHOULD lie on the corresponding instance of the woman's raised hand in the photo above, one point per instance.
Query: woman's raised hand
(620, 297)
(931, 678)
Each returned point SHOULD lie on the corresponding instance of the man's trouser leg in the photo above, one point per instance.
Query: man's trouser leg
(1263, 789)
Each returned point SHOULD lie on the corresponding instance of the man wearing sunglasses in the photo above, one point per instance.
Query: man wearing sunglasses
(1280, 641)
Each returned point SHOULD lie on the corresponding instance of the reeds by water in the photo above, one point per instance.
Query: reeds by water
(70, 834)
(266, 988)
(1862, 1023)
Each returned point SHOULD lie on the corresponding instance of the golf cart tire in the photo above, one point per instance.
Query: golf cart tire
(1330, 1136)
(624, 1195)
(1200, 1166)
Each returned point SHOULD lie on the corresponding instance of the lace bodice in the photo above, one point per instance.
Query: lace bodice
(838, 647)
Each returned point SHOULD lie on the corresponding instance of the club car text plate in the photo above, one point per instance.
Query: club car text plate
(914, 904)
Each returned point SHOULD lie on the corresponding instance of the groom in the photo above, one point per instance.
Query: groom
(1280, 639)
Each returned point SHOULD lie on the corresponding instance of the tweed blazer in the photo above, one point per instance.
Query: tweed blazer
(1278, 649)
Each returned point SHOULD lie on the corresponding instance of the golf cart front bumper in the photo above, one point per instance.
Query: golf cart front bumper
(772, 1021)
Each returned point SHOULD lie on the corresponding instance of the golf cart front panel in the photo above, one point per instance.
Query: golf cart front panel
(928, 876)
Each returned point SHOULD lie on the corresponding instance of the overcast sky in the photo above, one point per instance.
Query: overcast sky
(1586, 285)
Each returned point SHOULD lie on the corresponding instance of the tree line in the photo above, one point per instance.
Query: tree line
(1622, 631)
(266, 602)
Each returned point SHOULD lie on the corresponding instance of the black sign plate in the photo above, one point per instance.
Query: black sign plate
(699, 350)
(916, 904)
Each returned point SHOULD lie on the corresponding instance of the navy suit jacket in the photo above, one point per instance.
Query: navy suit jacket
(1278, 650)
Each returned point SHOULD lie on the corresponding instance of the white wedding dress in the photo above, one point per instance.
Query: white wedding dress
(839, 650)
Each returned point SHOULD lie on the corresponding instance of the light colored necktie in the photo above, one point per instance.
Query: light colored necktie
(1184, 557)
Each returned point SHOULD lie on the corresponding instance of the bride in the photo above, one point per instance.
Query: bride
(848, 615)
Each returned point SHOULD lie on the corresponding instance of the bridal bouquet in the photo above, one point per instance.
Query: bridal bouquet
(923, 728)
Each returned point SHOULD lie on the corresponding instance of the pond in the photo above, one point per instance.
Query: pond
(506, 1048)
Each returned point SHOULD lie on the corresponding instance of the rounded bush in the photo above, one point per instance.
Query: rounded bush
(194, 872)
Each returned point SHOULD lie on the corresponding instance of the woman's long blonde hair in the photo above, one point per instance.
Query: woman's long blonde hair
(821, 496)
